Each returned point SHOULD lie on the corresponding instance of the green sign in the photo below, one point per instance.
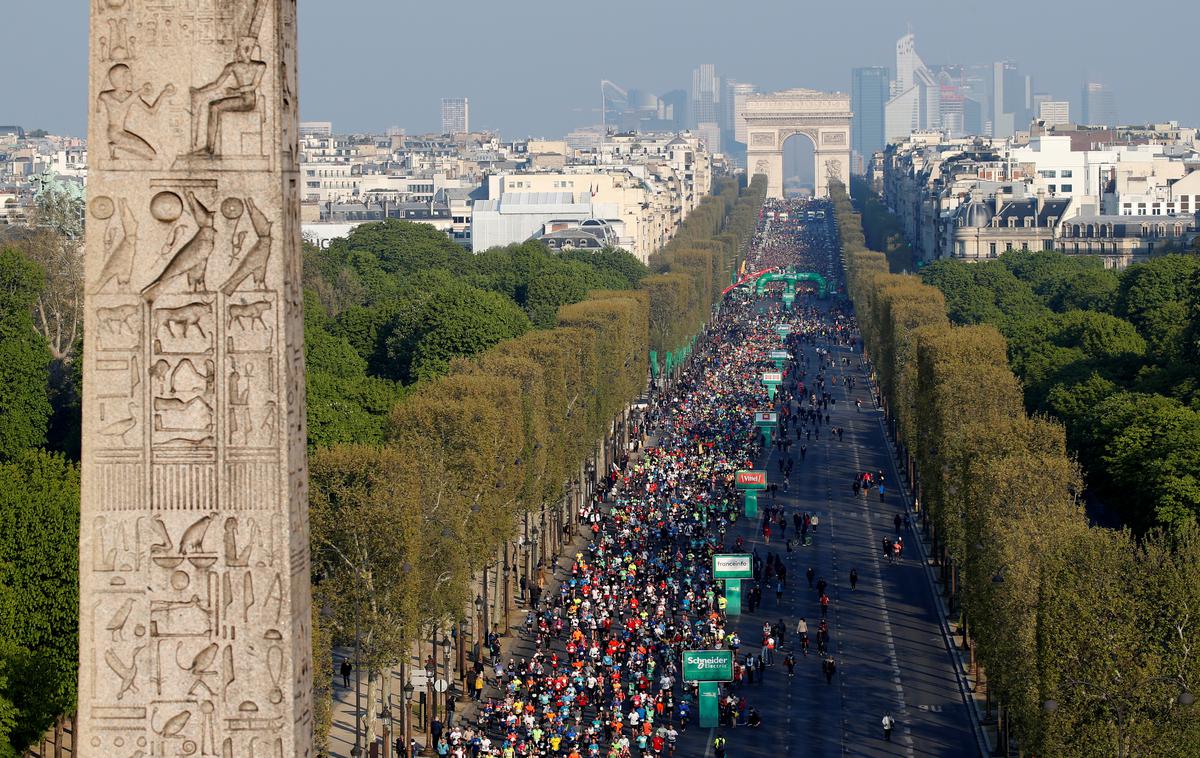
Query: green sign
(772, 377)
(710, 704)
(784, 330)
(779, 355)
(766, 418)
(733, 597)
(708, 665)
(733, 566)
(750, 479)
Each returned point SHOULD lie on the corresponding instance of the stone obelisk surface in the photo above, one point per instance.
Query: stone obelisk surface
(194, 571)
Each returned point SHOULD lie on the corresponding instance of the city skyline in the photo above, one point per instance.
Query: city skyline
(797, 49)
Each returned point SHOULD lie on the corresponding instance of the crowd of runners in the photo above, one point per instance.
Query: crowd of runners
(604, 676)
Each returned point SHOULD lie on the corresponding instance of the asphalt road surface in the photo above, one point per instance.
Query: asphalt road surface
(885, 636)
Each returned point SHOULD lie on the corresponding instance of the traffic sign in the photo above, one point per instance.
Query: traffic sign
(733, 566)
(766, 418)
(440, 685)
(708, 665)
(751, 480)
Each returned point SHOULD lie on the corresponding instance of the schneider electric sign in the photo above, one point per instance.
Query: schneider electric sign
(708, 665)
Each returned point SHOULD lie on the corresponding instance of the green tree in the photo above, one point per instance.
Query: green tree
(547, 292)
(612, 261)
(1065, 348)
(966, 301)
(1065, 282)
(344, 404)
(1143, 453)
(24, 358)
(39, 590)
(1156, 297)
(462, 320)
(403, 247)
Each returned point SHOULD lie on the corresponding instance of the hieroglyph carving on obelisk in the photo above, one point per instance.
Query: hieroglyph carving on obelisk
(194, 571)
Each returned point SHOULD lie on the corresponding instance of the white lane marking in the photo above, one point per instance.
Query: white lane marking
(889, 639)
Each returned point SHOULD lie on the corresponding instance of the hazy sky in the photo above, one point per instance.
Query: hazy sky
(532, 67)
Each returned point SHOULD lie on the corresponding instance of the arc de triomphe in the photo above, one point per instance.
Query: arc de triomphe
(823, 117)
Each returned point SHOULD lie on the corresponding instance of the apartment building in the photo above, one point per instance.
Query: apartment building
(1121, 198)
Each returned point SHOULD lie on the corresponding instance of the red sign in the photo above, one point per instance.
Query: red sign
(751, 480)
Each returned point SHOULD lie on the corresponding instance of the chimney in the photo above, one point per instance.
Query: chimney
(999, 202)
(1041, 200)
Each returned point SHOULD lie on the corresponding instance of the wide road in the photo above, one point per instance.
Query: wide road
(885, 636)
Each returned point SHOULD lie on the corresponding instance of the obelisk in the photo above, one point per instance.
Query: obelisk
(194, 572)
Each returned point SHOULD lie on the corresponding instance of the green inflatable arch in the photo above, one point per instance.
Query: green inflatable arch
(790, 279)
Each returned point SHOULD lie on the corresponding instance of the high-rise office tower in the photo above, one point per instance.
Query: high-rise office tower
(1012, 99)
(705, 95)
(907, 61)
(976, 83)
(972, 115)
(916, 99)
(868, 98)
(455, 115)
(614, 103)
(951, 101)
(735, 103)
(1099, 105)
(675, 108)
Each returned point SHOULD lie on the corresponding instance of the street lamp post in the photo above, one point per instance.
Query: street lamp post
(460, 651)
(387, 726)
(408, 696)
(527, 564)
(480, 638)
(446, 694)
(487, 600)
(357, 750)
(507, 589)
(430, 707)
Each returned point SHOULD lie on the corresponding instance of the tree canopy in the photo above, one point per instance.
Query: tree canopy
(1080, 334)
(1100, 621)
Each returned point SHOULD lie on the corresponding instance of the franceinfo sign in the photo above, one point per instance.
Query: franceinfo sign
(733, 566)
(708, 665)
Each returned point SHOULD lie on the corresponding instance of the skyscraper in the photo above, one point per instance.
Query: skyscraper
(705, 95)
(965, 97)
(972, 115)
(916, 98)
(950, 100)
(868, 98)
(455, 115)
(614, 102)
(675, 108)
(1012, 99)
(1099, 105)
(735, 103)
